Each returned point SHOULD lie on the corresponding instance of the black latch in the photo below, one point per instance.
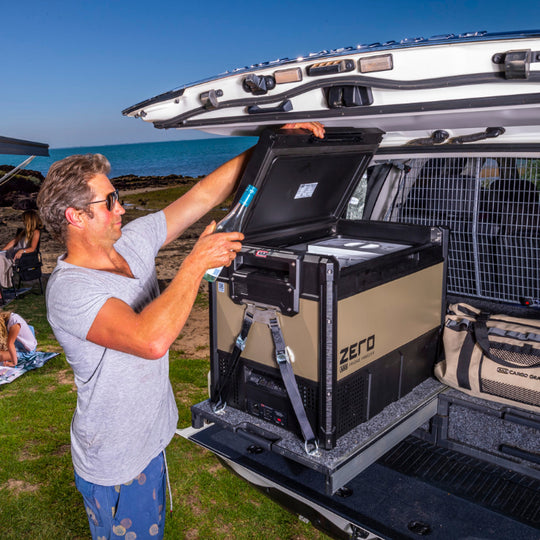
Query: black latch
(516, 63)
(284, 107)
(348, 96)
(258, 85)
(439, 136)
(209, 99)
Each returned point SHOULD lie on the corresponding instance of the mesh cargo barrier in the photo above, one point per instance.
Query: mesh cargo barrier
(492, 208)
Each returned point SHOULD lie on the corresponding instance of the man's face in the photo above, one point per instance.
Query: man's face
(105, 225)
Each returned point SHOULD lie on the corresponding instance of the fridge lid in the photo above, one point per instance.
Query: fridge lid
(301, 179)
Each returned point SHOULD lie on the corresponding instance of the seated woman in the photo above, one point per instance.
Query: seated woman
(26, 241)
(15, 335)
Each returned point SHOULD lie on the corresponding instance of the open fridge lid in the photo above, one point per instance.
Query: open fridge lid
(301, 179)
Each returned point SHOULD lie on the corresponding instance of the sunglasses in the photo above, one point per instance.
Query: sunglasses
(111, 200)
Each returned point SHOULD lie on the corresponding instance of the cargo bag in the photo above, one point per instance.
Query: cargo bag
(495, 357)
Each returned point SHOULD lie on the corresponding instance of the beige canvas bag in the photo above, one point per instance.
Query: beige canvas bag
(495, 357)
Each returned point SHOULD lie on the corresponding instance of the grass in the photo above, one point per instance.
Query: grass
(38, 498)
(160, 198)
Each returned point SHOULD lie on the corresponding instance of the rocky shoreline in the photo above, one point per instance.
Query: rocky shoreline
(20, 191)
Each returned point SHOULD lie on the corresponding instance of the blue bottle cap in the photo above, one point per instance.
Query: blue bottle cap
(248, 195)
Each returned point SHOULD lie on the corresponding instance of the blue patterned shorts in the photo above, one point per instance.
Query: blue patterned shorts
(132, 511)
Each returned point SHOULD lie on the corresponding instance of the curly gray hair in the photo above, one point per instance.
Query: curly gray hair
(66, 186)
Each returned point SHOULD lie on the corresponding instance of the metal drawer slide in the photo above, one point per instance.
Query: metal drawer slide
(353, 453)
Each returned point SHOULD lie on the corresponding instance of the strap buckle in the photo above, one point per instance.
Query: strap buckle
(241, 342)
(312, 447)
(219, 407)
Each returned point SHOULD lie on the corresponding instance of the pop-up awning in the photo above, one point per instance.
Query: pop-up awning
(21, 147)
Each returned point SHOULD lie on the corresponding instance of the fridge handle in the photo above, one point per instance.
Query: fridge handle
(264, 439)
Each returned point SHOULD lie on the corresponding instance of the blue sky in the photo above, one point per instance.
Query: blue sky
(70, 67)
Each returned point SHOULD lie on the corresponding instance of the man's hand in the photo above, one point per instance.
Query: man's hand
(213, 249)
(315, 127)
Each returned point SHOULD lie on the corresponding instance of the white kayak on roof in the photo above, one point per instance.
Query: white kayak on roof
(471, 81)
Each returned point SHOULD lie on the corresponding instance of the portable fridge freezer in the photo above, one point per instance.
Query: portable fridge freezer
(358, 304)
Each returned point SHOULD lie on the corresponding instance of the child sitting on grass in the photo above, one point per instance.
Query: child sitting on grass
(15, 335)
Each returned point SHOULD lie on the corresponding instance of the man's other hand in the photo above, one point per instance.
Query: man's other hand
(315, 127)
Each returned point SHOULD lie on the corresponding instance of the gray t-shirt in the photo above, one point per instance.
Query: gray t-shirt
(126, 412)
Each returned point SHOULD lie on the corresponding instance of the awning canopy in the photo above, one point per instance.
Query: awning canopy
(21, 147)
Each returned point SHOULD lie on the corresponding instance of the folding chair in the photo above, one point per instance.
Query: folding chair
(27, 268)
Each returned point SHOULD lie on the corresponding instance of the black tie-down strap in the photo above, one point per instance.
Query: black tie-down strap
(269, 317)
(239, 346)
(287, 374)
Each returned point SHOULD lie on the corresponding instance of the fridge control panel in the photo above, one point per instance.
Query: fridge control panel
(270, 277)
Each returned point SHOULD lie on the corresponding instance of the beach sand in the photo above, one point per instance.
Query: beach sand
(193, 340)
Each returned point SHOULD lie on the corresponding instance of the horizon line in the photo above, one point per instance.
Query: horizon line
(150, 142)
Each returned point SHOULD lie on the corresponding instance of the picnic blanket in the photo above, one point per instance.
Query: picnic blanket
(26, 361)
(8, 295)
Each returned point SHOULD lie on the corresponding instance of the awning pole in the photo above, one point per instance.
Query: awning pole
(8, 175)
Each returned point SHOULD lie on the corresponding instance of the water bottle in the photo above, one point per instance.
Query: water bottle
(232, 222)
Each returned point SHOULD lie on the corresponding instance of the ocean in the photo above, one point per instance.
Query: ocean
(188, 158)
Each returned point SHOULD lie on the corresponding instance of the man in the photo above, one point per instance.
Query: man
(105, 309)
